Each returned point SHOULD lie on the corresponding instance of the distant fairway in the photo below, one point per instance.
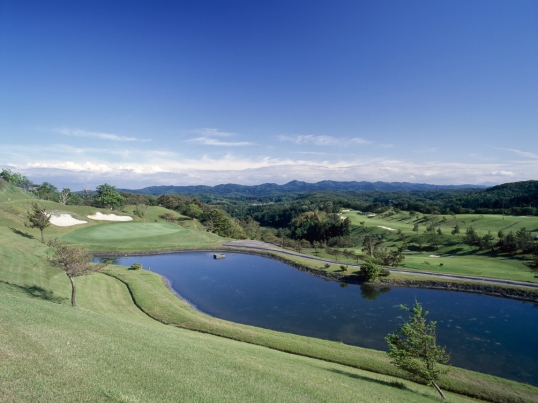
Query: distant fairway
(137, 236)
(464, 259)
(124, 231)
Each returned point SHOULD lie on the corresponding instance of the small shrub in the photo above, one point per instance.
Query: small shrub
(384, 272)
(135, 266)
(370, 270)
(344, 268)
(326, 265)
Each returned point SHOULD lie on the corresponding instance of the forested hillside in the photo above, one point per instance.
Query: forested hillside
(271, 189)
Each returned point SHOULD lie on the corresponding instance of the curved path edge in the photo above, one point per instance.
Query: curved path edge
(262, 246)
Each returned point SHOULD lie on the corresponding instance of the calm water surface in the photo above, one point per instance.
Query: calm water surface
(487, 334)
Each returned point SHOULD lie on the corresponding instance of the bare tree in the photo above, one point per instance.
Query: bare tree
(74, 261)
(38, 219)
(64, 196)
(140, 210)
(169, 217)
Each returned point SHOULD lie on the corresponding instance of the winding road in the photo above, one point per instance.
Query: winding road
(262, 246)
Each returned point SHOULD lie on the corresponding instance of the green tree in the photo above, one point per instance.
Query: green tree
(533, 263)
(193, 211)
(370, 270)
(16, 179)
(38, 218)
(471, 238)
(524, 239)
(415, 228)
(414, 348)
(456, 230)
(46, 191)
(508, 243)
(107, 196)
(368, 245)
(74, 261)
(487, 241)
(167, 201)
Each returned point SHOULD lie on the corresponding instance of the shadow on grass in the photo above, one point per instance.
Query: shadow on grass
(24, 234)
(37, 292)
(393, 384)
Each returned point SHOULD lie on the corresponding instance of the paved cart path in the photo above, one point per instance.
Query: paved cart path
(262, 246)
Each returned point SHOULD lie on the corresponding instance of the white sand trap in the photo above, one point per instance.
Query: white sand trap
(387, 228)
(109, 217)
(64, 220)
(346, 211)
(435, 256)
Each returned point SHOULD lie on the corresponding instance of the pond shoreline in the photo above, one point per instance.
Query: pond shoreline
(464, 286)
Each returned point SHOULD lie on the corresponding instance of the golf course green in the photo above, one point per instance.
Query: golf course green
(132, 340)
(140, 236)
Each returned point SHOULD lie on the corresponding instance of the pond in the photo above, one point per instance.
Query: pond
(483, 333)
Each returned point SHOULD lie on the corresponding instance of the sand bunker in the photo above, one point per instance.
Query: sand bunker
(64, 220)
(387, 228)
(109, 217)
(435, 256)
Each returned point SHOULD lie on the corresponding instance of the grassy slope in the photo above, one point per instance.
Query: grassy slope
(120, 355)
(466, 260)
(108, 350)
(54, 353)
(137, 236)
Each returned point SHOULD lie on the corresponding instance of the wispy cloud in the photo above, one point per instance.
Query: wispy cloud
(324, 140)
(207, 132)
(210, 137)
(208, 141)
(143, 167)
(98, 135)
(525, 154)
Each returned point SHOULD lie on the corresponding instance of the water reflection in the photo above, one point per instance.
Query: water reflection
(372, 292)
(487, 334)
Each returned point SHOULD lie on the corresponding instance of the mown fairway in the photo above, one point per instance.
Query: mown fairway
(137, 236)
(455, 257)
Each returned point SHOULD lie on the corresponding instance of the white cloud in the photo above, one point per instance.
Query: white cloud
(526, 154)
(213, 132)
(153, 167)
(99, 135)
(324, 140)
(207, 138)
(215, 142)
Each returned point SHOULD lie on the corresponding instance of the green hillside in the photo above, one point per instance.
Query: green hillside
(109, 350)
(455, 256)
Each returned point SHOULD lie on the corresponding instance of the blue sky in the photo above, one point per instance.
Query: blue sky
(140, 93)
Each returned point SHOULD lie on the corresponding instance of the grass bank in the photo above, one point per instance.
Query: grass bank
(151, 295)
(108, 350)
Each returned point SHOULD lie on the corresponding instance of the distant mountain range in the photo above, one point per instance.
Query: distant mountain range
(268, 189)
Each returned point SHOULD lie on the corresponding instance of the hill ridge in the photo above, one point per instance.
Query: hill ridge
(266, 189)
